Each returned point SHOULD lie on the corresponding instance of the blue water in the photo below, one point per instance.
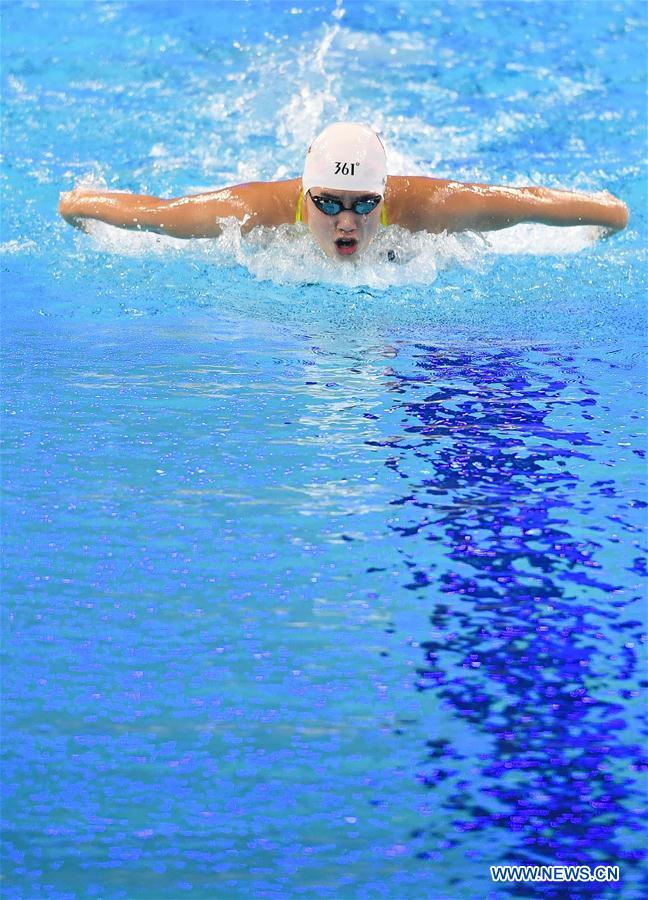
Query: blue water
(320, 583)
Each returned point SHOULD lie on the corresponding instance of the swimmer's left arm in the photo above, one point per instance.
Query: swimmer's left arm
(453, 206)
(436, 205)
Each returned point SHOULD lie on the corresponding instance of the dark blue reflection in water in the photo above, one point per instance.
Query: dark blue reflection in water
(533, 638)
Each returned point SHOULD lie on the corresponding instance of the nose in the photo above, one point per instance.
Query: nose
(346, 220)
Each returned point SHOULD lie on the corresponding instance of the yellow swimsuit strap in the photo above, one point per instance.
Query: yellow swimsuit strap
(300, 202)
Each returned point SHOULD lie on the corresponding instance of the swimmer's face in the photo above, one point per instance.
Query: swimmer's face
(346, 234)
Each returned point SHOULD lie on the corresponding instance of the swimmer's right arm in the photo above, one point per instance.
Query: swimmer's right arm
(196, 216)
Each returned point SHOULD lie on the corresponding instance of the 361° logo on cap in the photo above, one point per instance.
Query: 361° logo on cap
(346, 168)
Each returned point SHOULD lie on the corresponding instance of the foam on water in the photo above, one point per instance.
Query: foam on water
(289, 255)
(18, 247)
(543, 240)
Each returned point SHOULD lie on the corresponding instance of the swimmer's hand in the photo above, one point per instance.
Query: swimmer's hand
(619, 213)
(70, 205)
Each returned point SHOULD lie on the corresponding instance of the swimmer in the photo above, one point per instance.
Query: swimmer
(343, 197)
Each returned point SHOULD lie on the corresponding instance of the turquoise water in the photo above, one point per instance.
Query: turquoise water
(320, 582)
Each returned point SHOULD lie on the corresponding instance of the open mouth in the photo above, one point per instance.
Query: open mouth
(346, 246)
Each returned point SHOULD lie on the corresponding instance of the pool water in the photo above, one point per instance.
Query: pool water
(321, 581)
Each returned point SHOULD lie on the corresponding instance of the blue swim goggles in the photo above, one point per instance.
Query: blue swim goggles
(332, 207)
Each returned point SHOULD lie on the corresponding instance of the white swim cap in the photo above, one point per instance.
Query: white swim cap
(346, 157)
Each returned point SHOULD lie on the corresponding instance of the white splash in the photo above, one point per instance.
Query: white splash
(122, 242)
(543, 240)
(317, 99)
(289, 255)
(18, 247)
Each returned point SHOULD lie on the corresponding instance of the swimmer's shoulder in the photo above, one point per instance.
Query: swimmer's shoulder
(270, 203)
(410, 201)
